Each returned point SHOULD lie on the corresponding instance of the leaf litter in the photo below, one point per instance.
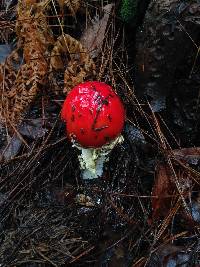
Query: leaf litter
(145, 209)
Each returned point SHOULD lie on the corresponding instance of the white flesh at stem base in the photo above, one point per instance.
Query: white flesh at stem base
(92, 159)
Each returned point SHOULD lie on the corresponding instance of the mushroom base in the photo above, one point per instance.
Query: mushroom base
(92, 159)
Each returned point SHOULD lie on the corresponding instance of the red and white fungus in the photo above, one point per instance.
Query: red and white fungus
(94, 116)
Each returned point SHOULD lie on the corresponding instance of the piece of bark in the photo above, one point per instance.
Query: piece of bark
(166, 48)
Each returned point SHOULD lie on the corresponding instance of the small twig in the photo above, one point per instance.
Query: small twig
(82, 254)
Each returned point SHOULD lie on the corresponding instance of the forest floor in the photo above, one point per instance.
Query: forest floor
(145, 209)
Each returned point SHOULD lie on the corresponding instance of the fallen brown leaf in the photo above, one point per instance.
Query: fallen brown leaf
(93, 36)
(190, 155)
(162, 191)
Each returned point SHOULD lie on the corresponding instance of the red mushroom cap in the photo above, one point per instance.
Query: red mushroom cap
(94, 114)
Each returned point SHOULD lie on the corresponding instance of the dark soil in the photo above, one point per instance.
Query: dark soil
(49, 216)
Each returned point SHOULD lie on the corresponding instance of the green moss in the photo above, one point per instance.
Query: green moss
(128, 11)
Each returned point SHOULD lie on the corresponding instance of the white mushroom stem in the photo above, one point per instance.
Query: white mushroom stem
(92, 159)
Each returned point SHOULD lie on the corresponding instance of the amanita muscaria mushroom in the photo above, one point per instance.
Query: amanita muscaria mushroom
(94, 116)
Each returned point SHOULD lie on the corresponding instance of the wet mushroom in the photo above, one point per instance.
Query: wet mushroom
(94, 116)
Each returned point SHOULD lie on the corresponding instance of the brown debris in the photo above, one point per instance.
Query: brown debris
(19, 86)
(94, 34)
(73, 5)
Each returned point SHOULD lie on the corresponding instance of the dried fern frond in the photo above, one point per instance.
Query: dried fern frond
(70, 54)
(19, 86)
(73, 5)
